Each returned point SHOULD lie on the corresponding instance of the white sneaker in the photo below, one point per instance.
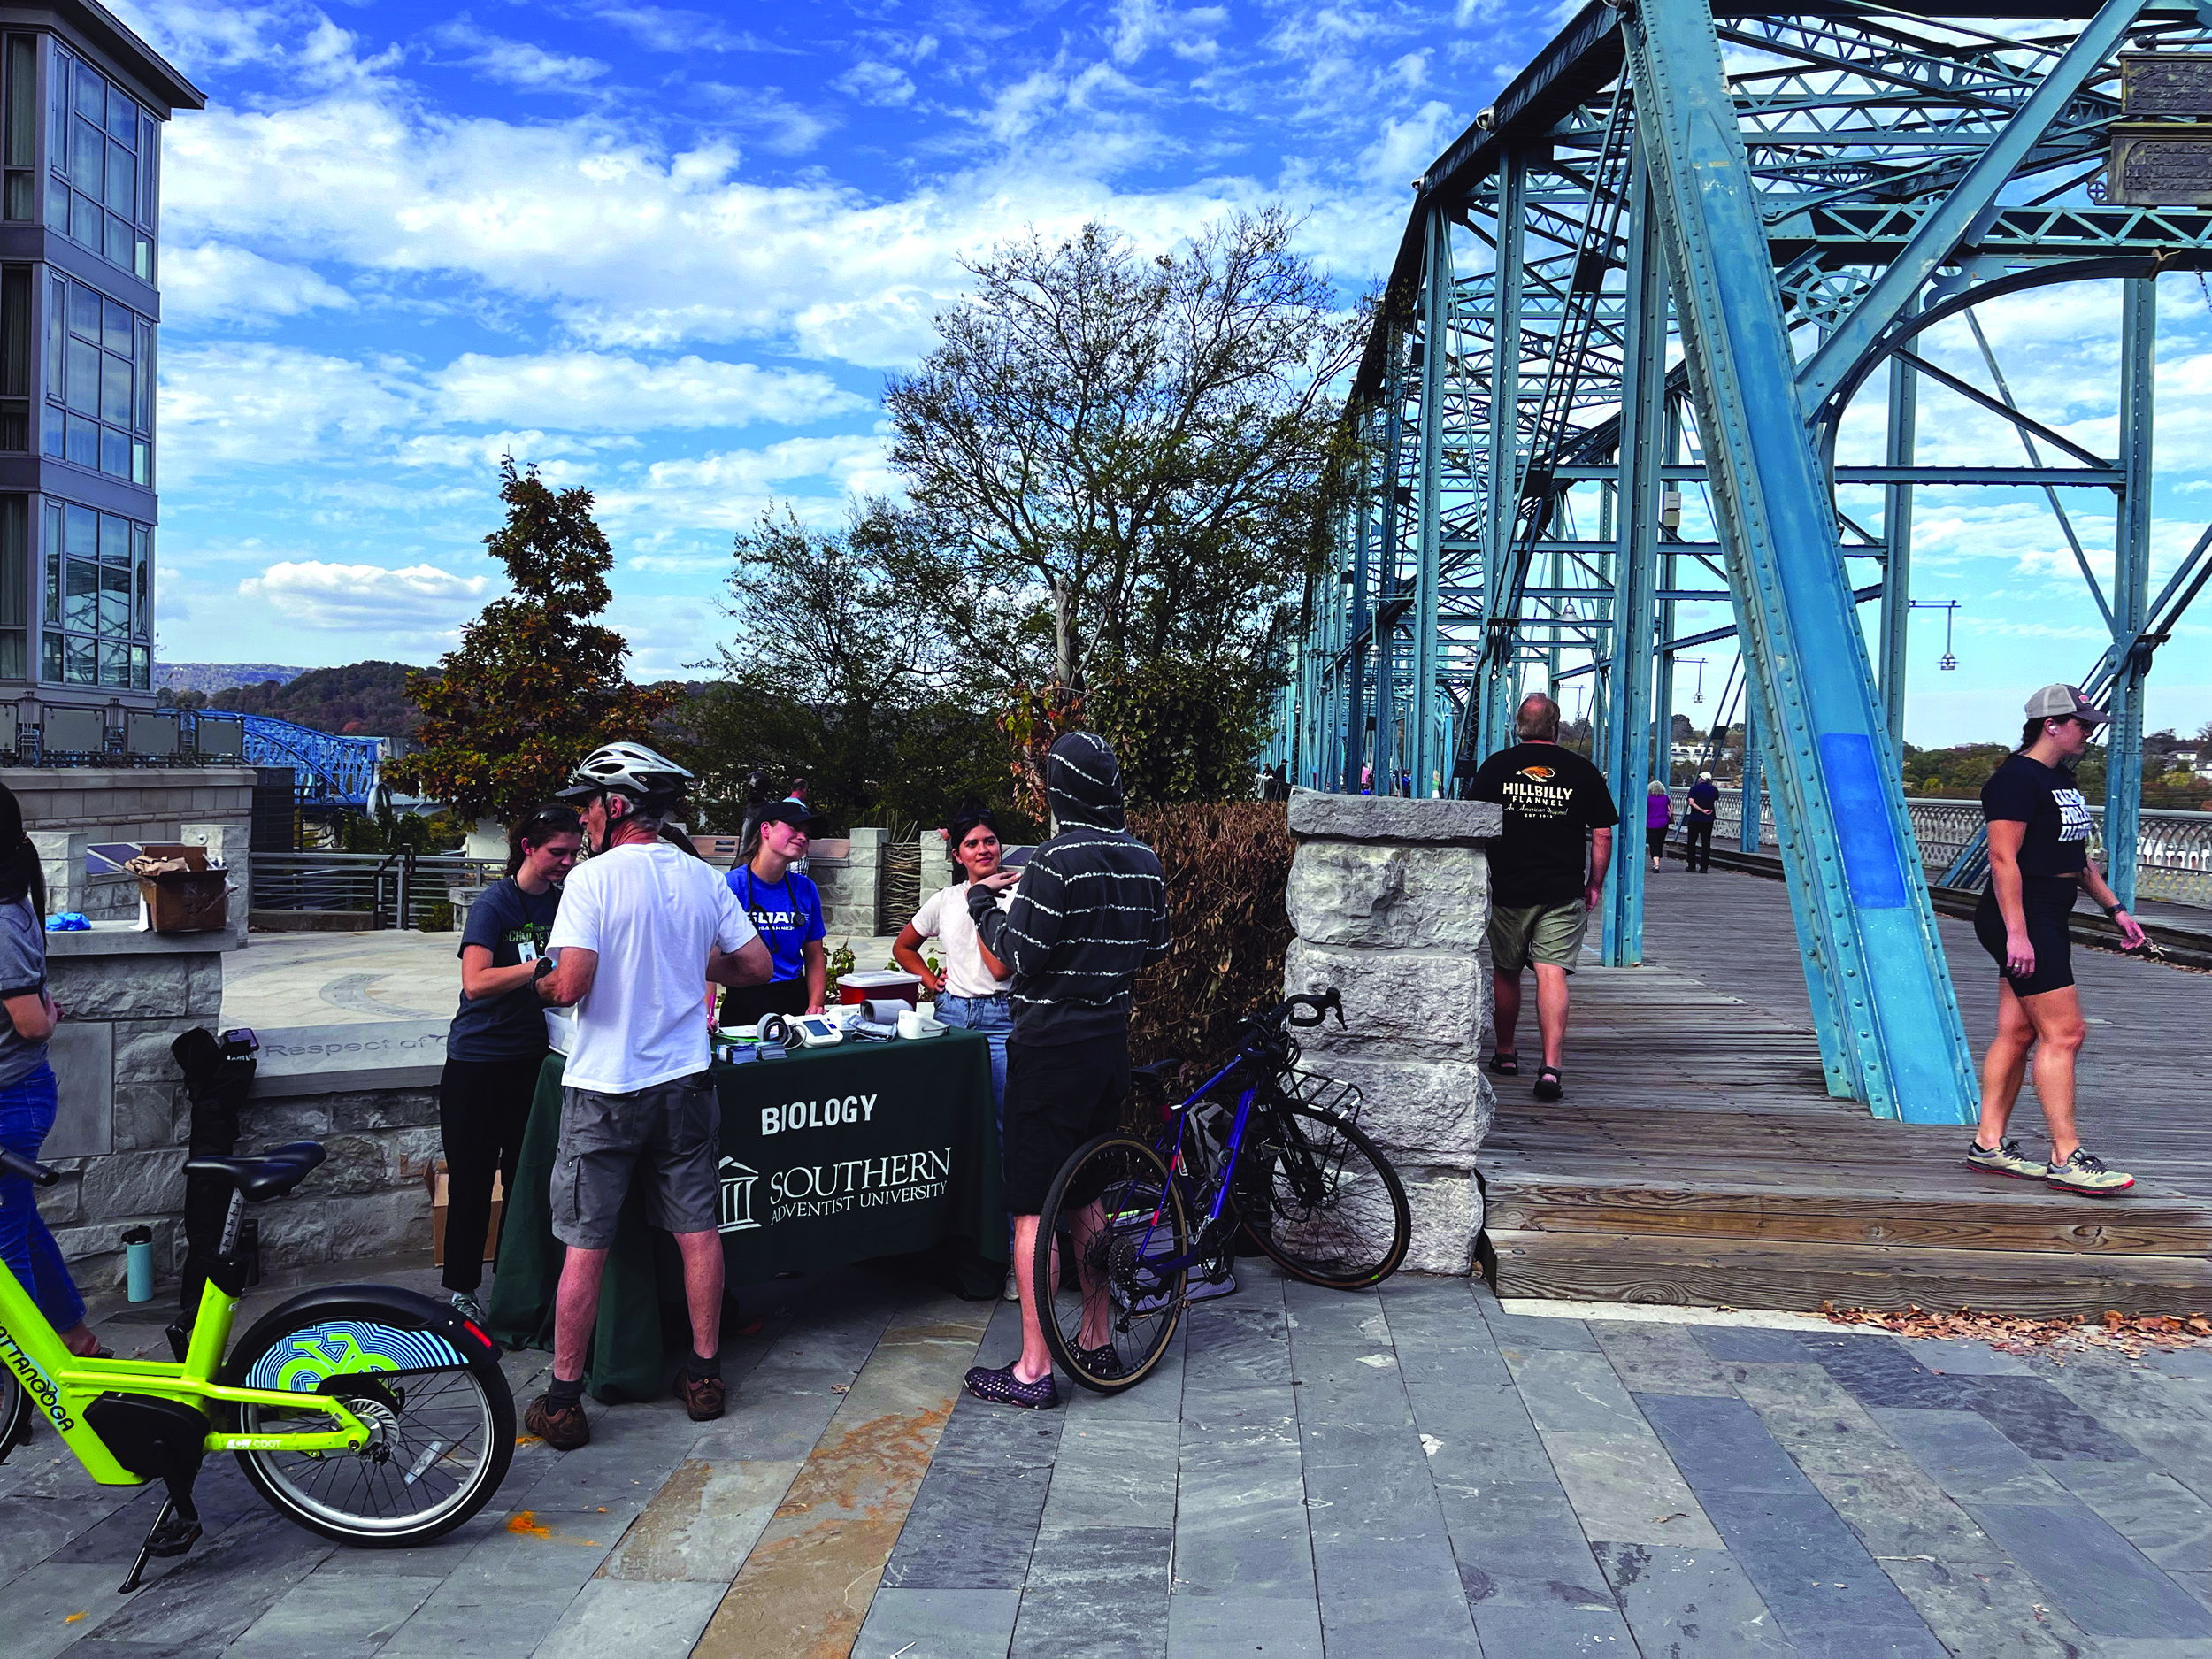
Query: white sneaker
(1013, 1291)
(2087, 1174)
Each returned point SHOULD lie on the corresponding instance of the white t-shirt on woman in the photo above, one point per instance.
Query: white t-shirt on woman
(944, 915)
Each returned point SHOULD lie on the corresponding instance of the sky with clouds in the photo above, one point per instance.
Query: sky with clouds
(670, 254)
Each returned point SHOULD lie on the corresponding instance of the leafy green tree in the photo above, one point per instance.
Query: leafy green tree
(536, 683)
(1147, 446)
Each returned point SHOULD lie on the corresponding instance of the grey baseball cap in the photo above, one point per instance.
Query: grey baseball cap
(2056, 702)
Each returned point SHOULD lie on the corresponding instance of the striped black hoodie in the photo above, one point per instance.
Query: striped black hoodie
(1090, 911)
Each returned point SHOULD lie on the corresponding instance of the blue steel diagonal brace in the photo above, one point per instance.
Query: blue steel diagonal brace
(1866, 925)
(1435, 358)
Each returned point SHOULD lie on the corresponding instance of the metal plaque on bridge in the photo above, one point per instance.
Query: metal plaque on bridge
(2161, 167)
(2166, 84)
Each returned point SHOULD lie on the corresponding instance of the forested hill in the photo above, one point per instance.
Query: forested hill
(209, 678)
(360, 697)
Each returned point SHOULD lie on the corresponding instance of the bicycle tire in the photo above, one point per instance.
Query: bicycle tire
(15, 1413)
(1132, 1180)
(350, 1495)
(1325, 1214)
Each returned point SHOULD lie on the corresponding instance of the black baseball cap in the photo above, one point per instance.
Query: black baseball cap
(793, 812)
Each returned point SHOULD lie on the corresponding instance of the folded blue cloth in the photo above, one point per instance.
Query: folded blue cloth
(69, 922)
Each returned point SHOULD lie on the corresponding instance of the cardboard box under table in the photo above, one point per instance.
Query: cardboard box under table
(863, 1152)
(187, 896)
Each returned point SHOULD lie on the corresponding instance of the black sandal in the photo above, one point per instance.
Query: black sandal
(1505, 1062)
(1549, 1084)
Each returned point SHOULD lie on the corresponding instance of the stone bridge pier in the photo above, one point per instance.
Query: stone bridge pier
(1390, 899)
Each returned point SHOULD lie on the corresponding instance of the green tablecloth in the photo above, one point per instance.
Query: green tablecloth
(834, 1156)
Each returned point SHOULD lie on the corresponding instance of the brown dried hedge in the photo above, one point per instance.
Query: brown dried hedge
(1228, 869)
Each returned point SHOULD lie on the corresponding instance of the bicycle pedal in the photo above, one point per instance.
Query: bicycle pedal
(173, 1539)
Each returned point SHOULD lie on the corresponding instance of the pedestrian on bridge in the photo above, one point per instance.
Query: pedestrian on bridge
(1546, 871)
(1658, 813)
(2038, 860)
(1698, 813)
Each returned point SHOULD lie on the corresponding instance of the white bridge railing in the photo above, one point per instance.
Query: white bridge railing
(2173, 850)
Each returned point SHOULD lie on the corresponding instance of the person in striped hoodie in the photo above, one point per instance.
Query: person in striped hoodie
(1090, 911)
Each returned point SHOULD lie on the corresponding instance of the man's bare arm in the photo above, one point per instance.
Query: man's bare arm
(751, 963)
(569, 982)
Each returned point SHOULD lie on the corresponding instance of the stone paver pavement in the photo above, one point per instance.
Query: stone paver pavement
(1311, 1472)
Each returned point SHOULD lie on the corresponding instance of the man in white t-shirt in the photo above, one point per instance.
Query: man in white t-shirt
(642, 925)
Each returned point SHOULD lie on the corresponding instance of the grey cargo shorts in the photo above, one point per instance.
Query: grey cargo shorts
(676, 1126)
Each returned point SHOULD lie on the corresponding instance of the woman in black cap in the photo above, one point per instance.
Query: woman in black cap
(2038, 860)
(787, 908)
(29, 1096)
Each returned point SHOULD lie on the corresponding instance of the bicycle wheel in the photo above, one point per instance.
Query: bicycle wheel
(1118, 1204)
(439, 1444)
(15, 1413)
(1336, 1212)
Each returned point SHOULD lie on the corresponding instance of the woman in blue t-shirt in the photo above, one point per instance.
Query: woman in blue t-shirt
(496, 1045)
(2039, 864)
(29, 1096)
(787, 908)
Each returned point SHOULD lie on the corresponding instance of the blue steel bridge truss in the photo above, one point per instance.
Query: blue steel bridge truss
(329, 770)
(1669, 261)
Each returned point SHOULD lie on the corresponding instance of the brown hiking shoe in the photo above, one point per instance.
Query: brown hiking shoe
(564, 1428)
(703, 1396)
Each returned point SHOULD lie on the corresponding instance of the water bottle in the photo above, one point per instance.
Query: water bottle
(138, 1261)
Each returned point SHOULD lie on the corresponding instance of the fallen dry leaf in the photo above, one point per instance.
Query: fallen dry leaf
(2018, 1334)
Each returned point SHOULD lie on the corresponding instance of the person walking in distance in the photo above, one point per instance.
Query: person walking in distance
(2038, 860)
(1697, 822)
(1090, 911)
(1546, 871)
(642, 926)
(1658, 813)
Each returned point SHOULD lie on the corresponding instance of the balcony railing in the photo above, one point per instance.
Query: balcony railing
(398, 889)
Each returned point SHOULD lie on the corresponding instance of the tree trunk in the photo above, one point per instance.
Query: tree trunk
(1071, 666)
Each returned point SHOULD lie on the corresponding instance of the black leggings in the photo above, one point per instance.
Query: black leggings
(483, 1107)
(1698, 831)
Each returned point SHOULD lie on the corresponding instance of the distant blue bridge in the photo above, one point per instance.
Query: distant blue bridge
(327, 770)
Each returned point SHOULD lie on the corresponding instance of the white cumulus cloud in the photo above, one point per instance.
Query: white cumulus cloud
(314, 594)
(590, 391)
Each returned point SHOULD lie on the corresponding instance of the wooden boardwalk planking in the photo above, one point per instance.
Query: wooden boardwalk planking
(1698, 1156)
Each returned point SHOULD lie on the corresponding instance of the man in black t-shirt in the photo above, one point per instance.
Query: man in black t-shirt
(1546, 870)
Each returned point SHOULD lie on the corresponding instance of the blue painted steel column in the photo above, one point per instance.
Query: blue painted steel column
(1436, 324)
(1380, 742)
(1627, 757)
(1897, 544)
(1753, 814)
(1355, 701)
(1866, 925)
(2130, 584)
(1493, 721)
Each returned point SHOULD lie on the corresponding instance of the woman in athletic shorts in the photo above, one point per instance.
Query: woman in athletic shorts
(2038, 860)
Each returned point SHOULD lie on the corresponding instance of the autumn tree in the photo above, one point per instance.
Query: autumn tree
(537, 683)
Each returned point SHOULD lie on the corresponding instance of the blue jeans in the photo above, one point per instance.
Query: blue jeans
(994, 1017)
(26, 1115)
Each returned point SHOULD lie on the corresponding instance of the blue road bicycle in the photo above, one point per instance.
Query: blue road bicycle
(1289, 1165)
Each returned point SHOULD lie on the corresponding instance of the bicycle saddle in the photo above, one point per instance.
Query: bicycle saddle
(272, 1175)
(1160, 1071)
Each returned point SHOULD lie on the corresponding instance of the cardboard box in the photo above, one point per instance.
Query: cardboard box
(194, 900)
(433, 1180)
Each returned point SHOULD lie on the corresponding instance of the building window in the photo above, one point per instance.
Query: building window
(21, 192)
(101, 189)
(99, 612)
(99, 382)
(15, 584)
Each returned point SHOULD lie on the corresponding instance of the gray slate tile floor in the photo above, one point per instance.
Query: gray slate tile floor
(1310, 1474)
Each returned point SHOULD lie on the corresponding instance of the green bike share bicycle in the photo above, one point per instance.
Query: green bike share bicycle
(367, 1413)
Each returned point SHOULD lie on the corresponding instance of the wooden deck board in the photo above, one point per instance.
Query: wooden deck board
(1698, 1156)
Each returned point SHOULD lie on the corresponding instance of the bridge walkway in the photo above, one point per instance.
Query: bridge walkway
(1697, 1157)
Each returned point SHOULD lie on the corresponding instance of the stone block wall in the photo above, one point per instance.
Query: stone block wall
(131, 804)
(852, 887)
(1390, 901)
(368, 1199)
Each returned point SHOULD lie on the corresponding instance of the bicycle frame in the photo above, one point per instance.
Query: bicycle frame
(61, 1384)
(1177, 1119)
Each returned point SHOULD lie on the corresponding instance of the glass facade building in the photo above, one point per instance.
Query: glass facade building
(82, 104)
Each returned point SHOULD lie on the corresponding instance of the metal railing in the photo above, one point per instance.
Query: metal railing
(2173, 850)
(398, 889)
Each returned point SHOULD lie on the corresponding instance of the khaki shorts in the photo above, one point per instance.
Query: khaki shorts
(1538, 933)
(675, 1128)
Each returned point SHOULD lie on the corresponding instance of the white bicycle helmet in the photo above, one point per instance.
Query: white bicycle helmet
(632, 768)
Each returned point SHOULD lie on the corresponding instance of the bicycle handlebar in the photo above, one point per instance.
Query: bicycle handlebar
(38, 1174)
(1286, 1011)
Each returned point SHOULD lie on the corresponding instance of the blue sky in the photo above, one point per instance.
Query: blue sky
(670, 254)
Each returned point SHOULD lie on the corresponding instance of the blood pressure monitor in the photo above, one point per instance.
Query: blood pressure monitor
(816, 1031)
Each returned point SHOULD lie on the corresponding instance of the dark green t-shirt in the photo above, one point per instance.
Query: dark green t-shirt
(509, 923)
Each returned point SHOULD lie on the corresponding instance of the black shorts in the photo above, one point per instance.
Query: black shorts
(2047, 901)
(1058, 1095)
